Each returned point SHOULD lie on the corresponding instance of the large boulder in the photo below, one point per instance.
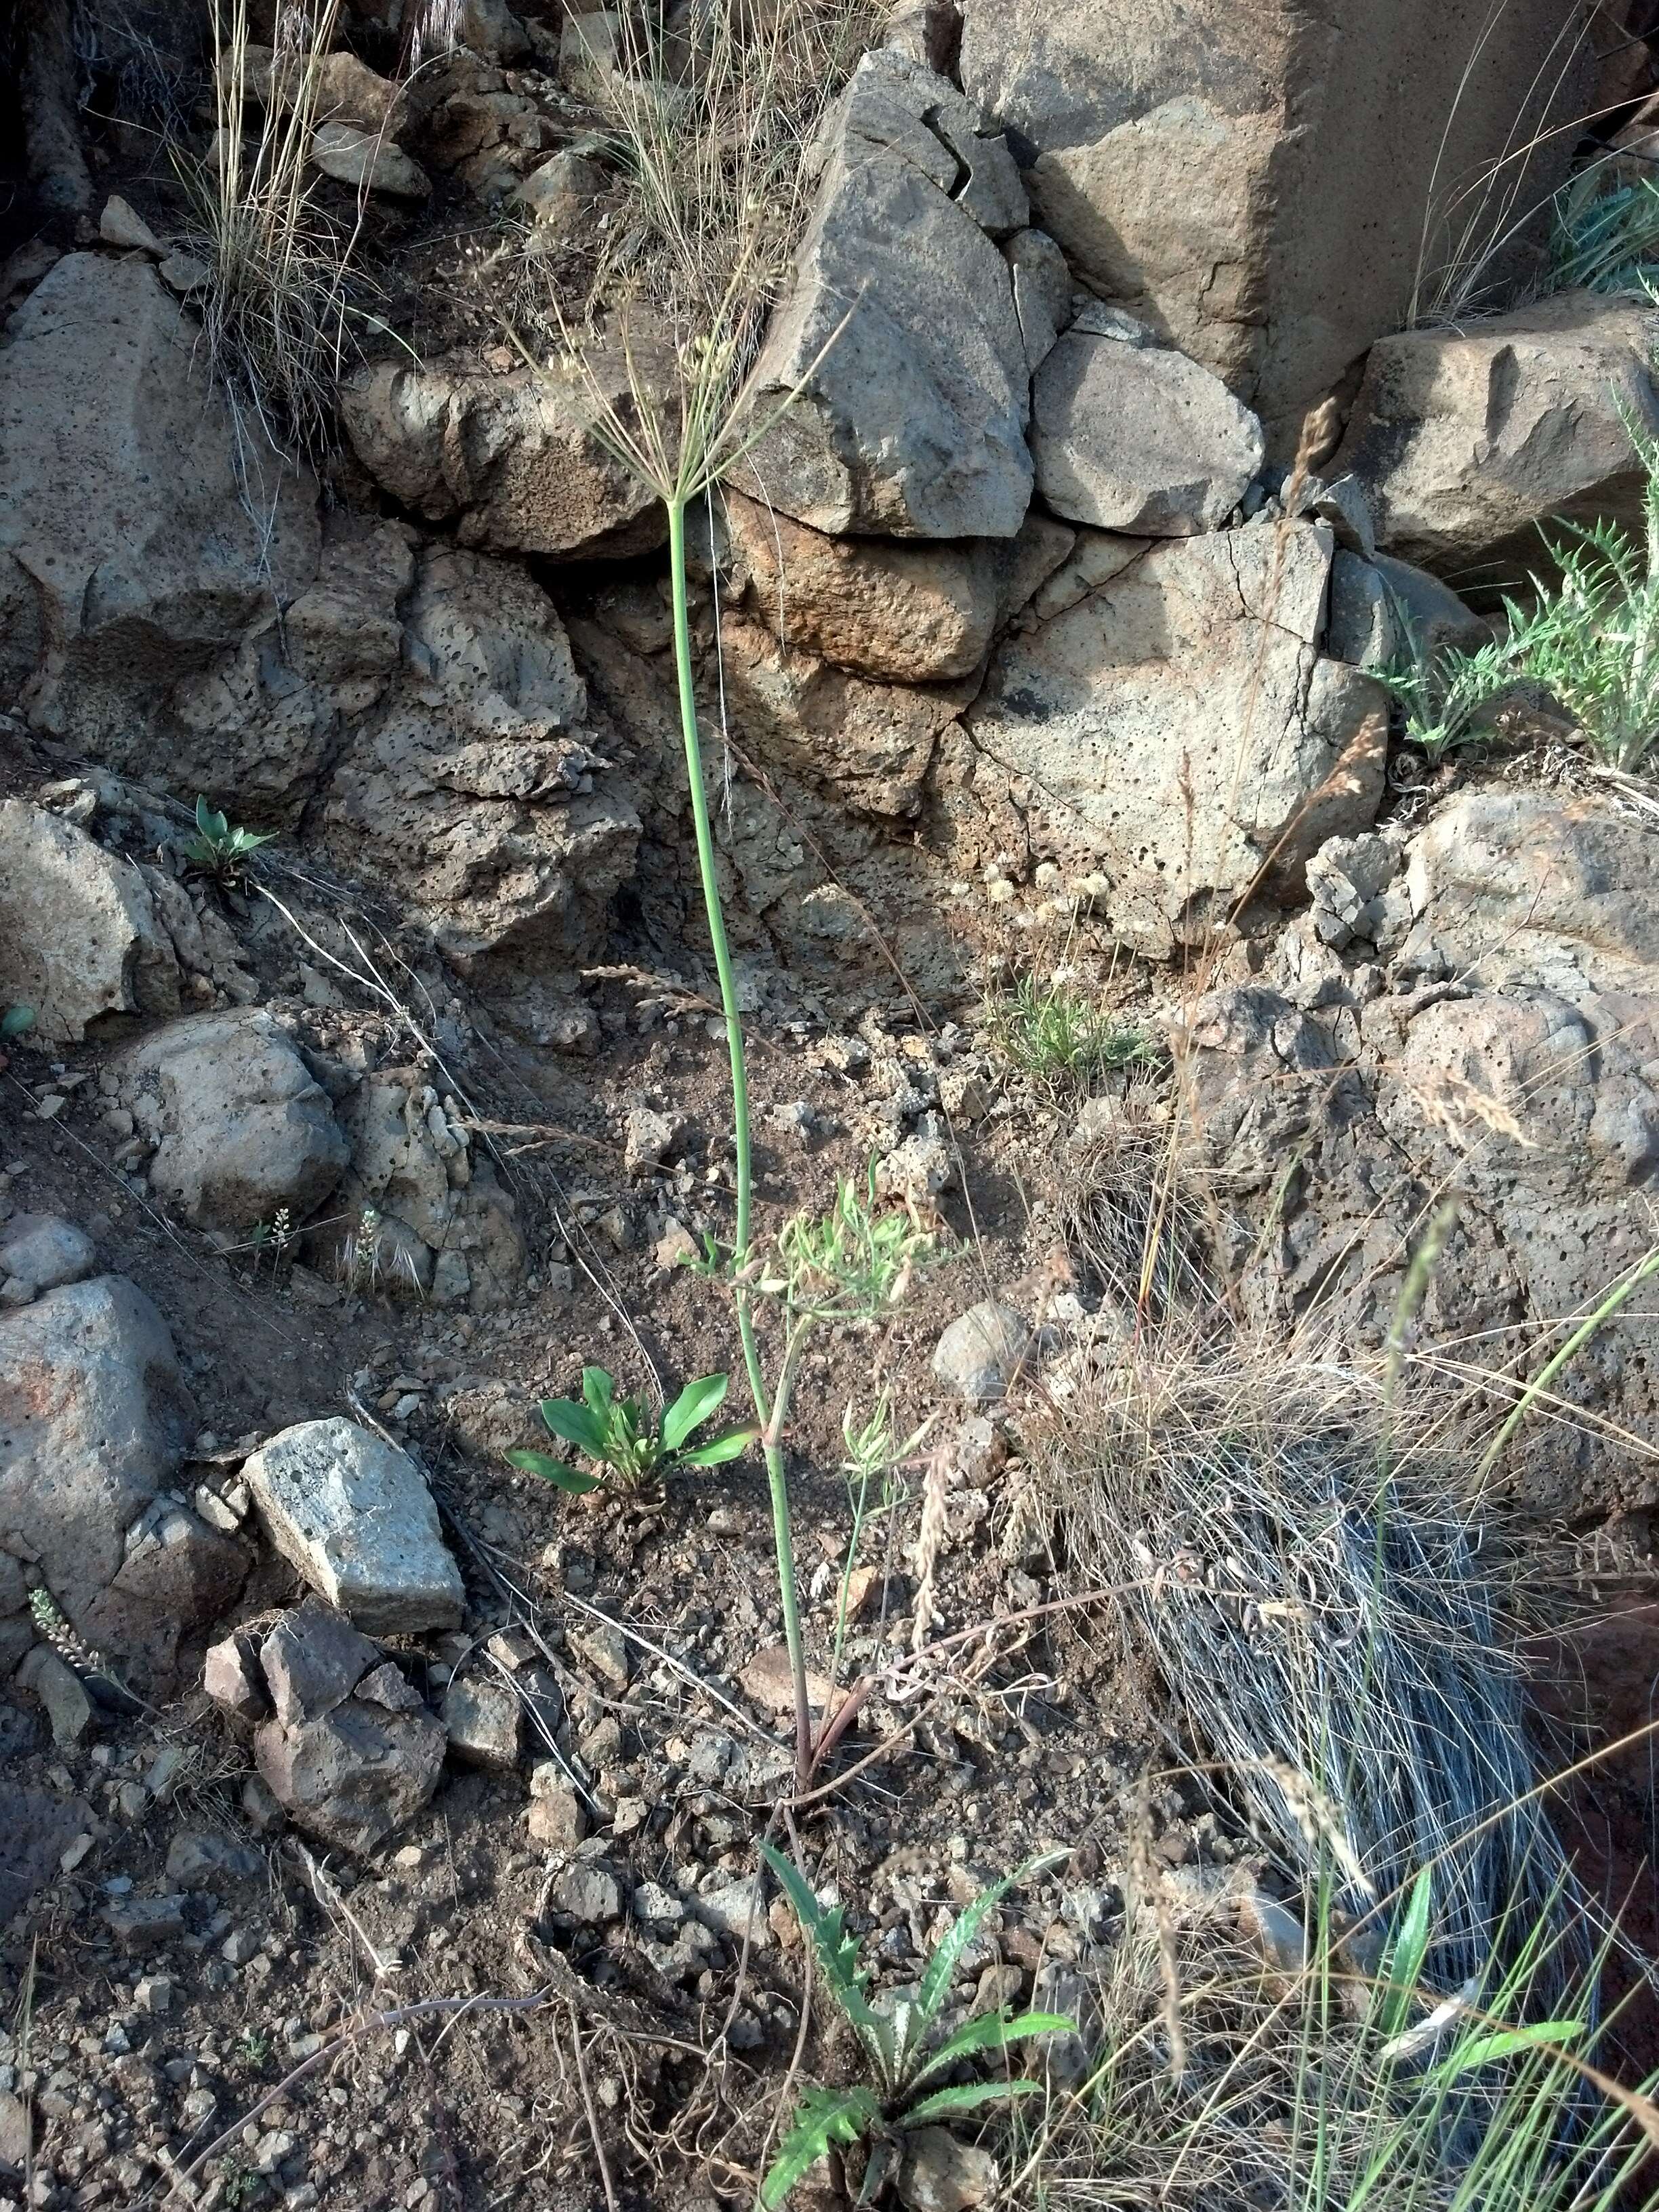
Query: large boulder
(900, 337)
(1174, 736)
(1489, 1025)
(94, 1414)
(138, 532)
(1131, 435)
(79, 939)
(1466, 440)
(240, 1127)
(508, 460)
(1252, 181)
(471, 789)
(352, 1514)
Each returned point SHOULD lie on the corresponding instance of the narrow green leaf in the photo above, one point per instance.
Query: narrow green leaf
(944, 2102)
(575, 1424)
(691, 1409)
(716, 1453)
(992, 2030)
(598, 1389)
(941, 1968)
(835, 1951)
(1401, 1968)
(825, 2119)
(1504, 2043)
(554, 1471)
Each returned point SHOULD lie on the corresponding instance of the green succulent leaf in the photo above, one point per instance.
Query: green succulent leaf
(554, 1471)
(824, 2119)
(577, 1424)
(693, 1406)
(720, 1448)
(1504, 2043)
(944, 2103)
(15, 1021)
(835, 1951)
(992, 2030)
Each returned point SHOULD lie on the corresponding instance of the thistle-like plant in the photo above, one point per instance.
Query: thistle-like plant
(900, 2043)
(220, 848)
(620, 1437)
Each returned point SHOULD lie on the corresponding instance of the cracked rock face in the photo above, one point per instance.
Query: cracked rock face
(1176, 731)
(911, 417)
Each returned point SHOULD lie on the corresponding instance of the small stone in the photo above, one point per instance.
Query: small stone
(238, 1947)
(558, 1819)
(61, 1690)
(658, 1906)
(484, 1721)
(141, 1923)
(73, 1854)
(184, 274)
(588, 1892)
(1276, 1931)
(770, 1681)
(389, 1687)
(939, 2174)
(131, 1802)
(735, 1909)
(312, 1660)
(980, 1352)
(677, 1246)
(604, 1648)
(153, 1993)
(366, 160)
(647, 1138)
(45, 1251)
(201, 1858)
(259, 1808)
(121, 224)
(232, 1678)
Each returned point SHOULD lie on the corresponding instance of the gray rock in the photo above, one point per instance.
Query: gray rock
(177, 1575)
(1344, 504)
(1176, 738)
(353, 1515)
(144, 1924)
(129, 550)
(939, 2174)
(1042, 292)
(485, 1723)
(1248, 179)
(604, 1649)
(45, 1251)
(387, 1685)
(312, 1662)
(508, 459)
(240, 1125)
(980, 1352)
(61, 1691)
(232, 1678)
(648, 1139)
(734, 1910)
(1138, 438)
(559, 195)
(79, 937)
(354, 1775)
(1383, 613)
(1466, 440)
(588, 1892)
(201, 1858)
(93, 1417)
(912, 423)
(1275, 1930)
(368, 161)
(558, 1818)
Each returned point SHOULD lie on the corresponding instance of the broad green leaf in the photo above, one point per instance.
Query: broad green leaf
(825, 2118)
(1504, 2043)
(554, 1471)
(598, 1389)
(992, 2030)
(944, 2102)
(691, 1409)
(835, 1951)
(211, 825)
(15, 1020)
(576, 1425)
(1401, 1968)
(715, 1453)
(941, 1969)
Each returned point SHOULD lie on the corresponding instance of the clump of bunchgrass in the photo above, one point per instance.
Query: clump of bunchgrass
(1606, 234)
(1061, 1038)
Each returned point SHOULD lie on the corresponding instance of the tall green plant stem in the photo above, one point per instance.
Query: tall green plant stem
(771, 1418)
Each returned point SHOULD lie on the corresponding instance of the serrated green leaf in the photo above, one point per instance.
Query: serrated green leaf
(576, 1425)
(824, 2119)
(1504, 2043)
(835, 1951)
(940, 1970)
(693, 1406)
(599, 1390)
(15, 1021)
(721, 1448)
(992, 2030)
(944, 2102)
(554, 1471)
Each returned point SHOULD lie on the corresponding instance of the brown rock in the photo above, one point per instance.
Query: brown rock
(355, 1777)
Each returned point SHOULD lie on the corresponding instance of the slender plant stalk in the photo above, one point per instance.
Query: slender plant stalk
(1644, 1272)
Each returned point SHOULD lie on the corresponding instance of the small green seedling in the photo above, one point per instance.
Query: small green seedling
(619, 1436)
(218, 847)
(899, 2044)
(15, 1021)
